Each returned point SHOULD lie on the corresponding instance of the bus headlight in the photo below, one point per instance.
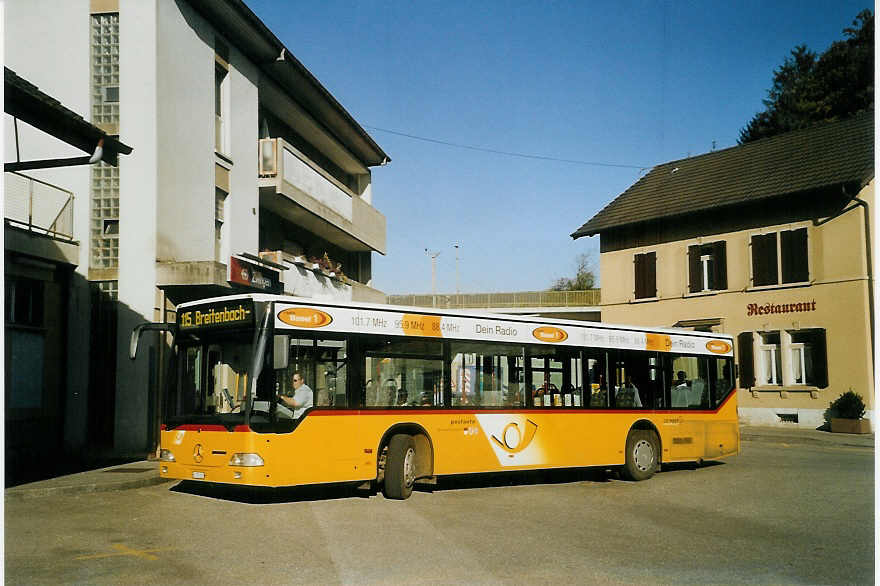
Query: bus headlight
(245, 459)
(166, 456)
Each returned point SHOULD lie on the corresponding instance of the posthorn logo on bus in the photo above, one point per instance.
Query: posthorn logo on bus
(550, 334)
(513, 440)
(718, 346)
(305, 317)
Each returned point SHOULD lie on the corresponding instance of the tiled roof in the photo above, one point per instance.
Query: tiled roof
(25, 101)
(826, 155)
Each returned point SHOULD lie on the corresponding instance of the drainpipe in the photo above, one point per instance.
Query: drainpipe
(856, 202)
(867, 215)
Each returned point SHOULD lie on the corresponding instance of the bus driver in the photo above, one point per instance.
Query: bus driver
(303, 396)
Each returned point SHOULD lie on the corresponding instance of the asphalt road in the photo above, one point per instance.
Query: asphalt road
(779, 513)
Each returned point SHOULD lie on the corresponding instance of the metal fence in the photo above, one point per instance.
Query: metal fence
(39, 206)
(588, 298)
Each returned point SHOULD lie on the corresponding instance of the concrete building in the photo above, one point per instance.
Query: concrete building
(248, 175)
(770, 241)
(42, 311)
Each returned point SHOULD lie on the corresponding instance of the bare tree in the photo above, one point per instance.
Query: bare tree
(584, 278)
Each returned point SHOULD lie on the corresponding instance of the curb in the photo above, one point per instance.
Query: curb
(92, 481)
(818, 438)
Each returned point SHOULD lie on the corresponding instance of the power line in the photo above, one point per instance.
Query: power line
(506, 153)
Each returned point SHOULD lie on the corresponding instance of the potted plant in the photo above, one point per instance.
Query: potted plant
(845, 414)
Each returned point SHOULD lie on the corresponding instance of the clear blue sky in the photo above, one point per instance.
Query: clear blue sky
(623, 83)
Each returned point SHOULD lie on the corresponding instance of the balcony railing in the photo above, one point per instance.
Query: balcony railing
(289, 171)
(39, 206)
(588, 298)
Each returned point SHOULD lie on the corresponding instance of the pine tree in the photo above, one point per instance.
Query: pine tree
(808, 89)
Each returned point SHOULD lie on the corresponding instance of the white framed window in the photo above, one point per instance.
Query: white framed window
(221, 75)
(707, 264)
(798, 364)
(221, 97)
(768, 366)
(808, 357)
(220, 228)
(707, 267)
(783, 358)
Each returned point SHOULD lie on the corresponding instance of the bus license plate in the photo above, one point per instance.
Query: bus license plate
(199, 475)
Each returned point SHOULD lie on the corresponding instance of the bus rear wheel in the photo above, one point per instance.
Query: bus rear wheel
(400, 467)
(642, 454)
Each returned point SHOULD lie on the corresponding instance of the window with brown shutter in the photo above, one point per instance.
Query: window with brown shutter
(695, 269)
(764, 260)
(793, 244)
(719, 253)
(744, 342)
(780, 258)
(646, 275)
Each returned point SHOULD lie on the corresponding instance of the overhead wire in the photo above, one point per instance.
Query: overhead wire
(507, 153)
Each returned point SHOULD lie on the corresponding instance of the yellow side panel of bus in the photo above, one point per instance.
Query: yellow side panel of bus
(332, 446)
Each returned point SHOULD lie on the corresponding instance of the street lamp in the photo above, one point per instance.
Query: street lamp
(433, 254)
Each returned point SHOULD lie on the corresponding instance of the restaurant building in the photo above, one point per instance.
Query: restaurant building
(770, 241)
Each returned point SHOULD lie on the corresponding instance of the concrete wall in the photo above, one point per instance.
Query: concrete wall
(243, 203)
(184, 72)
(186, 156)
(138, 188)
(838, 285)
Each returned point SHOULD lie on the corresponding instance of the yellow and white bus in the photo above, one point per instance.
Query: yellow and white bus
(405, 394)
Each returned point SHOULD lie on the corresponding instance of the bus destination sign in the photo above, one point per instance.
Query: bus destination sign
(234, 313)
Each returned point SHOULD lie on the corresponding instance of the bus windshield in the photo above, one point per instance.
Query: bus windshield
(223, 373)
(213, 378)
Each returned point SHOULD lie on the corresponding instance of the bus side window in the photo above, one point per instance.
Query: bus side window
(331, 373)
(486, 374)
(595, 380)
(687, 381)
(720, 373)
(403, 373)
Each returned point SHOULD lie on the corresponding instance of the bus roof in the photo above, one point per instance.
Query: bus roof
(355, 317)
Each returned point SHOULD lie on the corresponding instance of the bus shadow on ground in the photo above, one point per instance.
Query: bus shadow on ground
(539, 477)
(519, 478)
(678, 466)
(261, 495)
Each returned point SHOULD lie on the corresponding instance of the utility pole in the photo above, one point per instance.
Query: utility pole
(433, 254)
(457, 247)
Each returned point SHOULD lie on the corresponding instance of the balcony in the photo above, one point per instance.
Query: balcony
(300, 191)
(40, 216)
(39, 206)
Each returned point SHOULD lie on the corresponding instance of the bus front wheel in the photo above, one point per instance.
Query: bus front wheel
(400, 467)
(642, 454)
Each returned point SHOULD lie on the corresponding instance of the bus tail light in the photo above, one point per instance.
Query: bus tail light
(245, 459)
(166, 456)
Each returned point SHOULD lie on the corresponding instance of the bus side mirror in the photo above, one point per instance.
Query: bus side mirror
(280, 350)
(153, 327)
(135, 336)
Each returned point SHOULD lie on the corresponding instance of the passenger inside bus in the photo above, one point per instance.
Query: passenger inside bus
(627, 394)
(680, 390)
(598, 392)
